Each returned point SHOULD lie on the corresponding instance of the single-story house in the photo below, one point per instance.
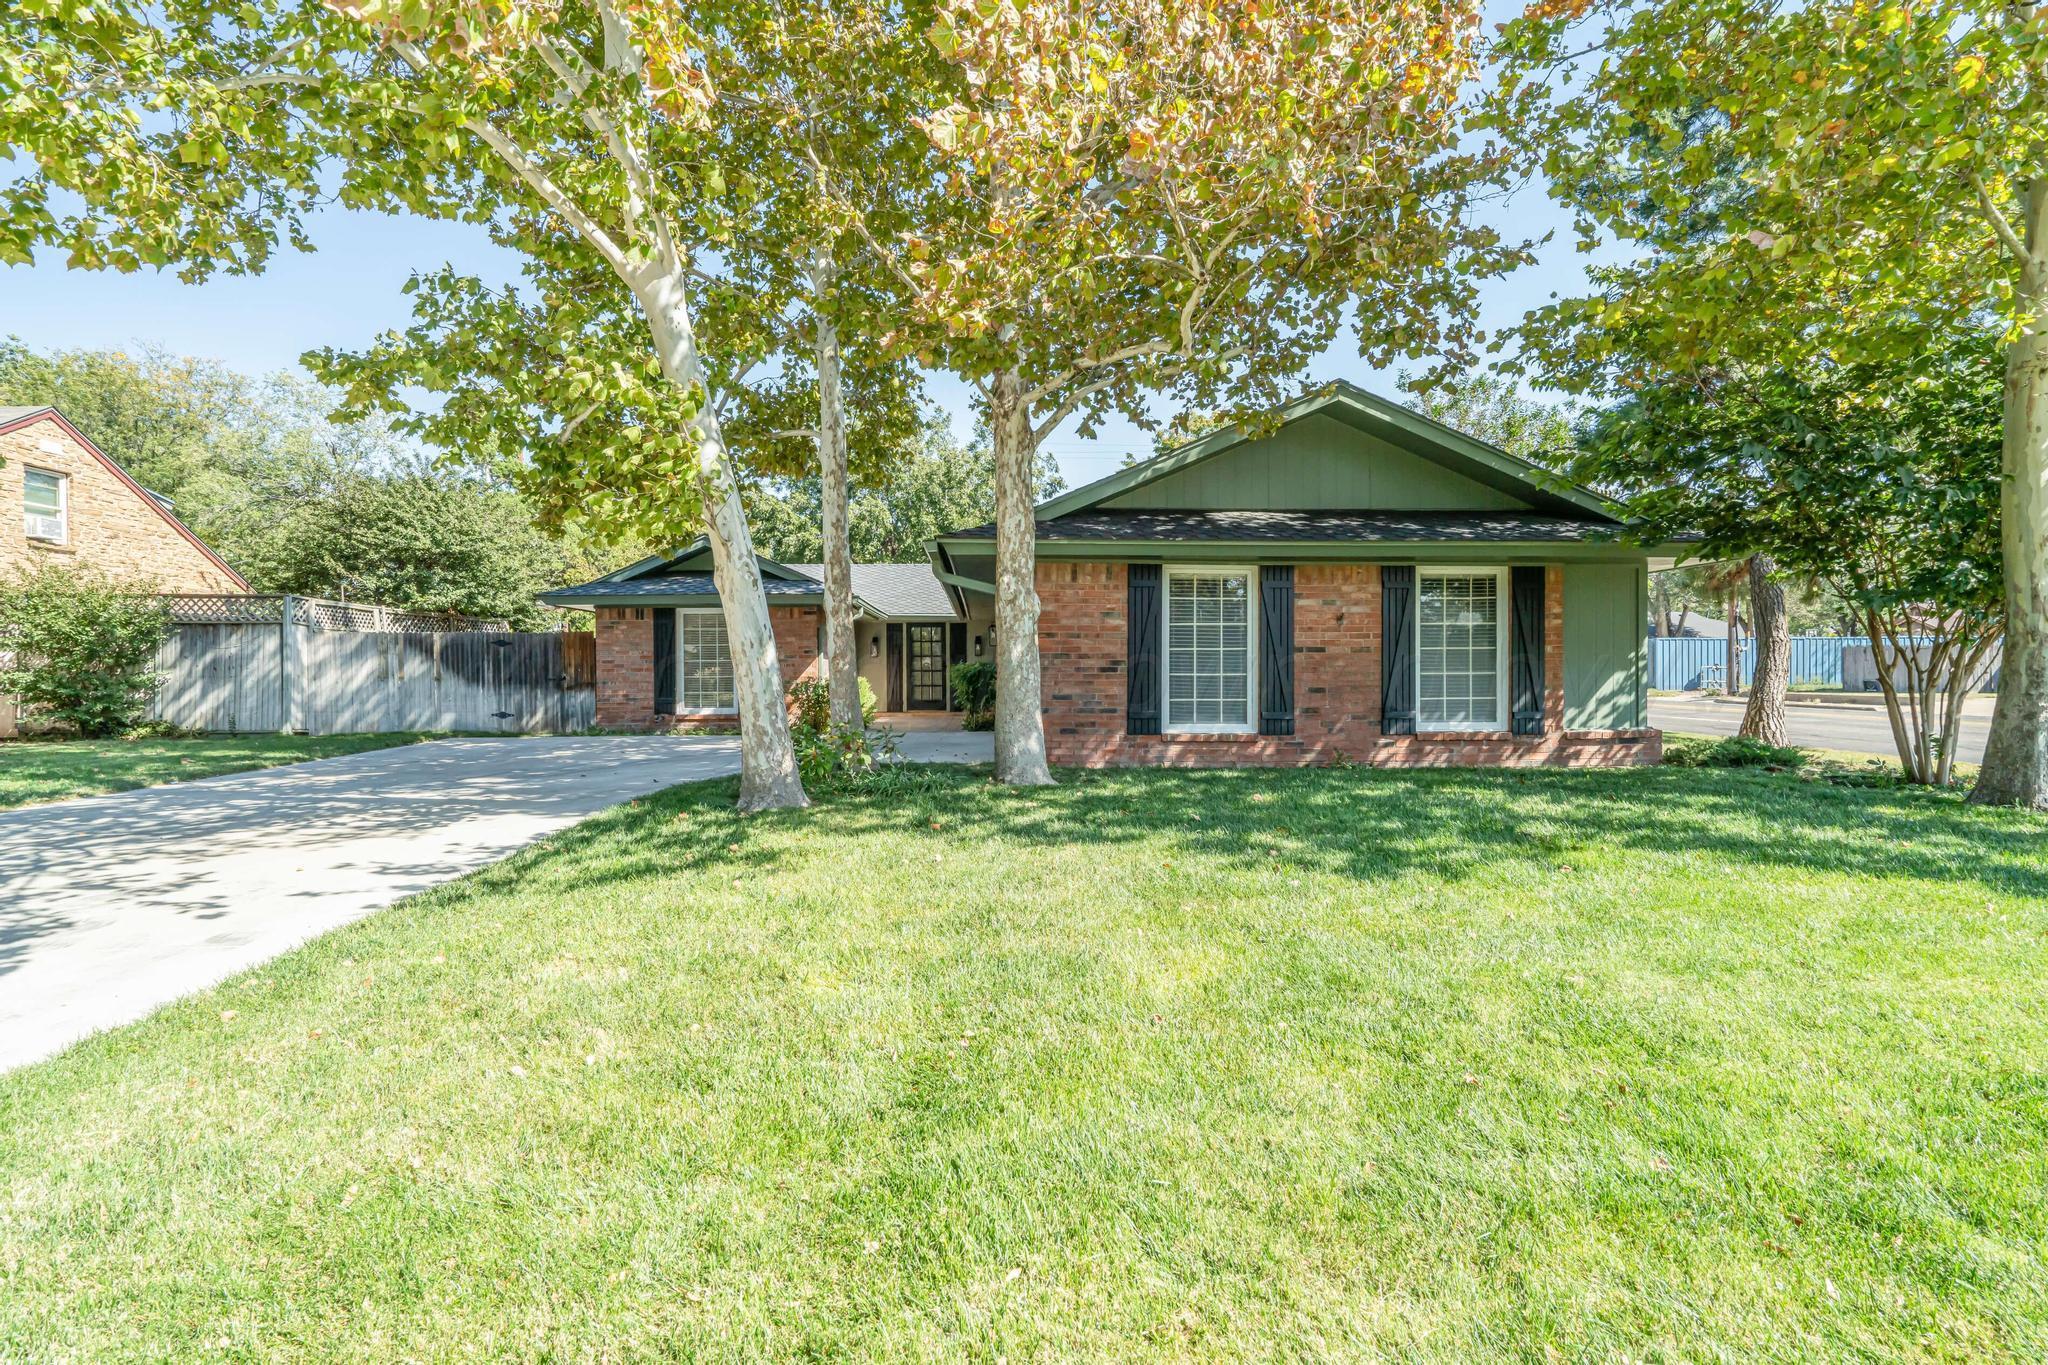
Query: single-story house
(662, 658)
(1348, 580)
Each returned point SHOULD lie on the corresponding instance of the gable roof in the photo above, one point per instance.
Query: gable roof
(15, 418)
(683, 578)
(1468, 456)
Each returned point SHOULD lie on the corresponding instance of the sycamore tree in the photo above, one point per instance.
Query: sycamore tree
(822, 101)
(1181, 197)
(201, 131)
(1836, 183)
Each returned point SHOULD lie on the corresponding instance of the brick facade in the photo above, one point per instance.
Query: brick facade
(625, 666)
(1337, 666)
(112, 526)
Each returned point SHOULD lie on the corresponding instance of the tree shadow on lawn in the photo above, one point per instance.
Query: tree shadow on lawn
(1365, 824)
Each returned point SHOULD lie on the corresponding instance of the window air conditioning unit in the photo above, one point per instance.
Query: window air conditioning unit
(45, 528)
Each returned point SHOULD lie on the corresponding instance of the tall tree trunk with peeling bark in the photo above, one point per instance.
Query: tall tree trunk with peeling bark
(1731, 650)
(768, 771)
(2015, 770)
(1020, 720)
(1770, 629)
(842, 666)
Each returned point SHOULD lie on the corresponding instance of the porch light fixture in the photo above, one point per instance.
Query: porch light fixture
(875, 647)
(977, 646)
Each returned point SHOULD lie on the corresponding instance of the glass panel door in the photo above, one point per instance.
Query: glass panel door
(927, 668)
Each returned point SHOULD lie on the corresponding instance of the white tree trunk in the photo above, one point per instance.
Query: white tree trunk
(842, 665)
(2015, 768)
(1764, 717)
(768, 771)
(1020, 721)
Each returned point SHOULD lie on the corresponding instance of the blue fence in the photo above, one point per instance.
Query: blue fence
(1682, 665)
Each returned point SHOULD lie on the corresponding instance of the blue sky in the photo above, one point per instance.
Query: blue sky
(347, 291)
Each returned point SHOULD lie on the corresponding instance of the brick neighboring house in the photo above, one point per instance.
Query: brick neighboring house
(68, 502)
(1348, 581)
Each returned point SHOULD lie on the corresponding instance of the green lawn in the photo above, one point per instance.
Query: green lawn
(1653, 1064)
(33, 771)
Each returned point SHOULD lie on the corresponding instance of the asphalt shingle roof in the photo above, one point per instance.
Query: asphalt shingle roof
(15, 414)
(1368, 527)
(892, 590)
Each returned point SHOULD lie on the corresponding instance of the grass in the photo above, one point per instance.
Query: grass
(34, 771)
(1649, 1064)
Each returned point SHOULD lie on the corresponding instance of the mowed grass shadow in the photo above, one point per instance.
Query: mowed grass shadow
(1376, 825)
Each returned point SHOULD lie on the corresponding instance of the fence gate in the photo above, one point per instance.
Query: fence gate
(263, 664)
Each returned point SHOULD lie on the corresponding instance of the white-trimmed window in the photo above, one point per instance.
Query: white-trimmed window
(703, 663)
(1461, 639)
(45, 505)
(1210, 658)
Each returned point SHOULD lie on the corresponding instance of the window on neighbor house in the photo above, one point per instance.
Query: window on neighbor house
(43, 505)
(704, 674)
(1461, 651)
(1208, 623)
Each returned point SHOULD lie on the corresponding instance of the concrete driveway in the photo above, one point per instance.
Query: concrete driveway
(1857, 728)
(113, 905)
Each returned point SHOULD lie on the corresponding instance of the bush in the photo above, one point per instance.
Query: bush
(839, 759)
(1736, 751)
(76, 651)
(810, 704)
(974, 692)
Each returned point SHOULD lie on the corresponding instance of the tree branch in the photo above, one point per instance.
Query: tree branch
(1999, 223)
(1088, 365)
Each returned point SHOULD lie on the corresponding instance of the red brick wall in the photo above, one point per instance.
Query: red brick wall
(625, 666)
(1337, 646)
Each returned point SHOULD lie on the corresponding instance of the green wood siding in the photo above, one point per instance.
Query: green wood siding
(1605, 660)
(1318, 463)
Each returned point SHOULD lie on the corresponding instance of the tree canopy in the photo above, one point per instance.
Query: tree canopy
(939, 485)
(1840, 183)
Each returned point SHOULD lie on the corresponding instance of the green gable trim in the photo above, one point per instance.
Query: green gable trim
(1402, 427)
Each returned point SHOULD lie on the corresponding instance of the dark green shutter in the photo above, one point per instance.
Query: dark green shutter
(1525, 635)
(664, 661)
(1141, 701)
(1397, 649)
(1276, 649)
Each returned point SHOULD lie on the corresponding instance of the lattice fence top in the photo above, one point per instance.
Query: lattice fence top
(316, 612)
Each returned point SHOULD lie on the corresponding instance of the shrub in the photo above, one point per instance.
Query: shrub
(974, 692)
(850, 756)
(76, 650)
(810, 704)
(1736, 751)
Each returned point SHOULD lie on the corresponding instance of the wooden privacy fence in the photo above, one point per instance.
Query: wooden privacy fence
(248, 665)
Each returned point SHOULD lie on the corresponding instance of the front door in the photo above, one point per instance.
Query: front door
(927, 668)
